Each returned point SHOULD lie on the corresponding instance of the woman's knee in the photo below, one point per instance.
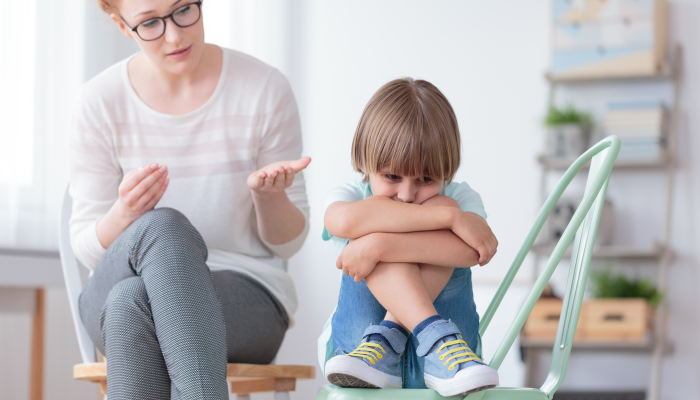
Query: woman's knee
(128, 298)
(168, 227)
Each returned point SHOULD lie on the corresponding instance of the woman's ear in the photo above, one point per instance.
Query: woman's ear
(120, 24)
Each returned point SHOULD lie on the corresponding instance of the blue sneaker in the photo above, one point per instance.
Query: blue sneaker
(451, 367)
(374, 364)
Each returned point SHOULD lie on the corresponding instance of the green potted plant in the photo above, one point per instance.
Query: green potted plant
(622, 309)
(568, 130)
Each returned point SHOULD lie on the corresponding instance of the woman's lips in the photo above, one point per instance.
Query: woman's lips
(180, 54)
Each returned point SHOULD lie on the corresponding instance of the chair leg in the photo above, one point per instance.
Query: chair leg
(281, 395)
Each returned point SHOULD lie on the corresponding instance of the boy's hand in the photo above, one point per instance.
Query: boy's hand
(359, 258)
(277, 176)
(475, 232)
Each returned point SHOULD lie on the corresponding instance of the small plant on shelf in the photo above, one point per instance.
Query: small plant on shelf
(608, 285)
(567, 116)
(568, 130)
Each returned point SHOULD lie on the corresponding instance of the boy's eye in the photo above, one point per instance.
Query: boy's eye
(426, 179)
(393, 177)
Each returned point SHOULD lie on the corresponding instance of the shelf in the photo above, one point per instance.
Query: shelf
(664, 73)
(646, 345)
(629, 252)
(560, 163)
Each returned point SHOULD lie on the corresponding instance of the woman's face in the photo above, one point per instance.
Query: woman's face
(178, 50)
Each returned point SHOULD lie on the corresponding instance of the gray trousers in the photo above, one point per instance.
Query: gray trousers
(168, 325)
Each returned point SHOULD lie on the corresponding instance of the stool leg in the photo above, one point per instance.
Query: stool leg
(242, 397)
(281, 395)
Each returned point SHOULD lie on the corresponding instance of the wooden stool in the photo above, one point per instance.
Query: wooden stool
(244, 378)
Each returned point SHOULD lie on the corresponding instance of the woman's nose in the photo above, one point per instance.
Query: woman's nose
(173, 33)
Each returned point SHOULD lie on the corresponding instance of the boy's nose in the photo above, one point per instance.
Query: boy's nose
(406, 193)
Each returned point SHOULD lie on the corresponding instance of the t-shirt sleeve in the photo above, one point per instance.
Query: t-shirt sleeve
(280, 140)
(94, 177)
(468, 199)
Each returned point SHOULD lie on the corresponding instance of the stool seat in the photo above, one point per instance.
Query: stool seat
(244, 378)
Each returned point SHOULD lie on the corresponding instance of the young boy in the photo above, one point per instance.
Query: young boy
(406, 238)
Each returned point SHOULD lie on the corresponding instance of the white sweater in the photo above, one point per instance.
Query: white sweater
(250, 121)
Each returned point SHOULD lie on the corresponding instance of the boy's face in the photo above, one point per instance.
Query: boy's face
(408, 189)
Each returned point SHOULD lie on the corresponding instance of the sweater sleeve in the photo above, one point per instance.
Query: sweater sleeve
(280, 139)
(94, 177)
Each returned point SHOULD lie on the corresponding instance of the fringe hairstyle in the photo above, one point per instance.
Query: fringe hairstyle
(409, 126)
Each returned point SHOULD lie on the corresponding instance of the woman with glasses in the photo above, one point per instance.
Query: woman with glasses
(188, 196)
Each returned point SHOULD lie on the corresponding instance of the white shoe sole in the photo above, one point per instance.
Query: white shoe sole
(351, 372)
(468, 380)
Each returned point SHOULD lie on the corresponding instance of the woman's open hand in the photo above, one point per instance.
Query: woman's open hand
(141, 189)
(277, 176)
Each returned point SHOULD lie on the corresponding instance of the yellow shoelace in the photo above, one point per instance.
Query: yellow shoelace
(366, 351)
(466, 352)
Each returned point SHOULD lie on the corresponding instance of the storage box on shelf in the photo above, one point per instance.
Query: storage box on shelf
(602, 321)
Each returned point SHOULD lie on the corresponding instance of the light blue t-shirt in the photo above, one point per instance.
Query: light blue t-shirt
(462, 193)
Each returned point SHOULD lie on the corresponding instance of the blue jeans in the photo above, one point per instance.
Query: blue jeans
(357, 309)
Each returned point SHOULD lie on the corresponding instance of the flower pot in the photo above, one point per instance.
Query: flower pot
(567, 140)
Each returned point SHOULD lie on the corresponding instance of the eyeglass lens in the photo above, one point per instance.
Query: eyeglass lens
(184, 16)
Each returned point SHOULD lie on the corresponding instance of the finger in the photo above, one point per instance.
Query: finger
(270, 179)
(138, 175)
(150, 193)
(280, 178)
(289, 177)
(257, 181)
(339, 263)
(135, 194)
(300, 164)
(151, 204)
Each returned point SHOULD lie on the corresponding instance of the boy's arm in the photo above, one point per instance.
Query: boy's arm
(442, 248)
(381, 214)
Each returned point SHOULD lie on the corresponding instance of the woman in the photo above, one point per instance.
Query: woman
(228, 202)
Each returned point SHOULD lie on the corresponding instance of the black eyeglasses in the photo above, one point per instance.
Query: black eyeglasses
(154, 28)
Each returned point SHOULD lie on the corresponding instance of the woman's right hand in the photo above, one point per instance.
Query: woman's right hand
(140, 191)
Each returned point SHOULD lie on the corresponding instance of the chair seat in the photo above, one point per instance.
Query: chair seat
(244, 378)
(329, 392)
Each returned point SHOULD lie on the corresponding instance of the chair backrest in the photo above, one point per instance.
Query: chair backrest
(584, 225)
(74, 284)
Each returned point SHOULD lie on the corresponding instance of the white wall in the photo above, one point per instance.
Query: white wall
(489, 59)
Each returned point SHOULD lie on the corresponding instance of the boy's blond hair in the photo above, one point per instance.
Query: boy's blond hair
(409, 126)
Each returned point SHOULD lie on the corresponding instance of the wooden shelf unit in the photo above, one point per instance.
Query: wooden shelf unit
(656, 342)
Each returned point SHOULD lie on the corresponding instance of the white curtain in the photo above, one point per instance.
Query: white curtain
(48, 48)
(259, 28)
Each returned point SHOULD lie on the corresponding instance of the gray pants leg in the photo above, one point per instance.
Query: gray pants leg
(152, 308)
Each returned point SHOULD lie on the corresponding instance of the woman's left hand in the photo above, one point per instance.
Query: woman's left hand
(277, 176)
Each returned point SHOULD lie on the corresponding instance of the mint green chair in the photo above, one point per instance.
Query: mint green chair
(584, 226)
